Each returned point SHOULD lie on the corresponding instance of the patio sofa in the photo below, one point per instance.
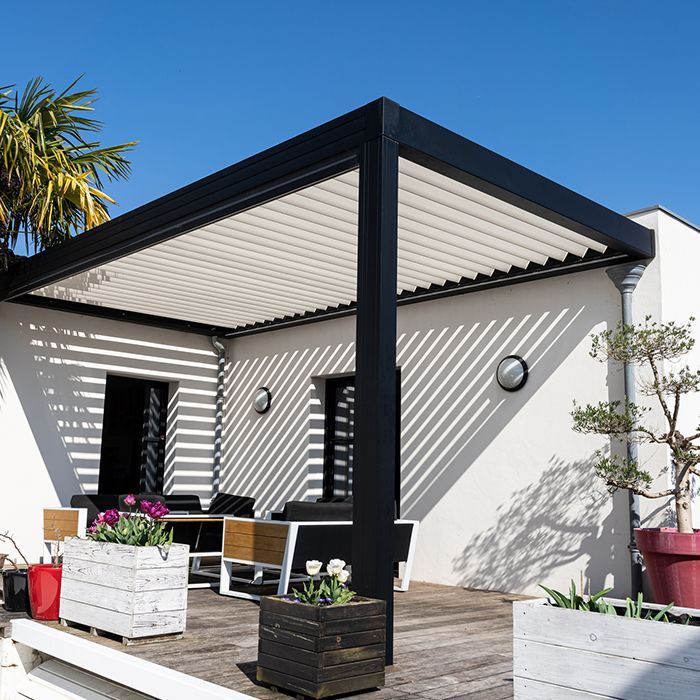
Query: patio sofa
(315, 510)
(285, 546)
(222, 503)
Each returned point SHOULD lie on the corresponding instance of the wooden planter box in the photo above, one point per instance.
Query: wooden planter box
(133, 592)
(565, 654)
(322, 651)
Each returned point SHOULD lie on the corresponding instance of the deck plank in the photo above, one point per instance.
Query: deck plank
(450, 643)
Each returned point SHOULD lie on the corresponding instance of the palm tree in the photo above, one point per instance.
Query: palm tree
(51, 172)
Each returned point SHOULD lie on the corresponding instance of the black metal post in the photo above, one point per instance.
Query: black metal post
(375, 380)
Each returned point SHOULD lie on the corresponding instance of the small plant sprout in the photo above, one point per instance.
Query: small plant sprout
(596, 603)
(332, 589)
(651, 346)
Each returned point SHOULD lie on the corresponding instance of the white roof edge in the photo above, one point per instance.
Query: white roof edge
(665, 210)
(135, 673)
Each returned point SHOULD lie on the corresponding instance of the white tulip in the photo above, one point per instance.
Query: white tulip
(313, 566)
(335, 566)
(343, 576)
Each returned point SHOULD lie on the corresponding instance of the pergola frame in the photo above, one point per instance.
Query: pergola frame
(372, 138)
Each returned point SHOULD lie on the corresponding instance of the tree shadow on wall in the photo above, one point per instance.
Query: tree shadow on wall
(547, 525)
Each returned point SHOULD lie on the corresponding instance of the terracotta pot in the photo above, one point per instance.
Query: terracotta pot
(44, 591)
(672, 560)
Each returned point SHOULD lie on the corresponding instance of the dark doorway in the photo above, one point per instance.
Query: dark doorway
(340, 436)
(133, 436)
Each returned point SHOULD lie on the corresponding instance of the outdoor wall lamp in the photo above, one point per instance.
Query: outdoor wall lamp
(262, 399)
(511, 374)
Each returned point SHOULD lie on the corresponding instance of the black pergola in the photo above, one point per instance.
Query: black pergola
(374, 139)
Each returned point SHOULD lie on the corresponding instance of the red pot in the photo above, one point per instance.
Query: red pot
(44, 591)
(672, 559)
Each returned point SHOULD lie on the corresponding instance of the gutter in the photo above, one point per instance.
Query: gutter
(219, 414)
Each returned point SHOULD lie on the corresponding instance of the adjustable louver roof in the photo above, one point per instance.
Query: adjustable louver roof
(273, 240)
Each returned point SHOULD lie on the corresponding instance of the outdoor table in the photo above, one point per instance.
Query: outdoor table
(196, 556)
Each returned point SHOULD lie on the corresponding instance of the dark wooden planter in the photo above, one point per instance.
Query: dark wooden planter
(322, 651)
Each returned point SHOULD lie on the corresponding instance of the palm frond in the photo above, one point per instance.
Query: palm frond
(51, 166)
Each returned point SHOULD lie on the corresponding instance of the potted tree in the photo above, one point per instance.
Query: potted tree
(322, 640)
(14, 580)
(671, 555)
(127, 577)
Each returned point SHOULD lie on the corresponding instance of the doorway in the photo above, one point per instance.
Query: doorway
(339, 437)
(132, 454)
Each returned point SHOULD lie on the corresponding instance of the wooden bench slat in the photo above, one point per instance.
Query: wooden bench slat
(260, 555)
(256, 527)
(269, 544)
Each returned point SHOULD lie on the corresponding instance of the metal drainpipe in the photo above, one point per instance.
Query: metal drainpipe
(626, 278)
(219, 417)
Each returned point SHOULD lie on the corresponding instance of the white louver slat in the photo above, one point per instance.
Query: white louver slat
(298, 254)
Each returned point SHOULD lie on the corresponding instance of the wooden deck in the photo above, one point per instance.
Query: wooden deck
(449, 643)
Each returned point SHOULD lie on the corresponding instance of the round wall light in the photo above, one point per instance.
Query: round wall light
(511, 374)
(262, 400)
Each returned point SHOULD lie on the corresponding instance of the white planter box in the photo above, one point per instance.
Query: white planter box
(569, 654)
(133, 592)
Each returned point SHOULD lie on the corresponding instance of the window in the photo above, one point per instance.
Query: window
(340, 436)
(132, 453)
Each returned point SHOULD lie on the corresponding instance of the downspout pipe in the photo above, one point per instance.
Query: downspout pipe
(219, 415)
(626, 278)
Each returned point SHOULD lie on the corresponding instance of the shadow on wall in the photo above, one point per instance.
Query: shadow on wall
(276, 457)
(58, 371)
(452, 408)
(546, 526)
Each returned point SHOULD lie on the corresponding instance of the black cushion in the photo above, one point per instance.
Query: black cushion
(309, 511)
(326, 542)
(334, 499)
(94, 503)
(210, 536)
(231, 504)
(183, 502)
(157, 497)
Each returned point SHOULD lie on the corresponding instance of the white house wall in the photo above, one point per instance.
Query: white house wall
(53, 367)
(499, 481)
(678, 292)
(502, 486)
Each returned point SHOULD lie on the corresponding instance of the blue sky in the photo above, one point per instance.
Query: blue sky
(600, 96)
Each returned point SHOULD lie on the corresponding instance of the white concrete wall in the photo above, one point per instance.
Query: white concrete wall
(500, 483)
(52, 375)
(677, 295)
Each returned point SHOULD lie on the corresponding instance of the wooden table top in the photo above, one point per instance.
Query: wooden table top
(194, 518)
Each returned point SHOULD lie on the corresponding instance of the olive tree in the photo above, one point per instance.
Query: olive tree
(655, 348)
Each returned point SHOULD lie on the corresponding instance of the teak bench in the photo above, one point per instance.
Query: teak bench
(286, 546)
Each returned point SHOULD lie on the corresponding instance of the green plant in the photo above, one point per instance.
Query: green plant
(142, 529)
(51, 167)
(597, 604)
(331, 590)
(651, 346)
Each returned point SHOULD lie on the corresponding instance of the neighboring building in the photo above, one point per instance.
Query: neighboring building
(502, 486)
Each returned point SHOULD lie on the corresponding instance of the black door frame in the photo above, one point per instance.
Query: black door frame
(156, 396)
(329, 413)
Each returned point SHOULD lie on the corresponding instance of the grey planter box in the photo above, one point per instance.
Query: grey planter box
(570, 654)
(133, 592)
